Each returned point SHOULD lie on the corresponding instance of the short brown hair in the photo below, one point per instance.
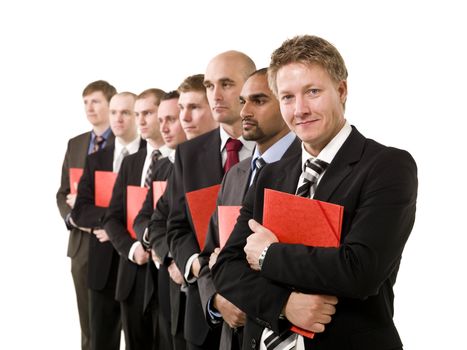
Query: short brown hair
(193, 83)
(307, 49)
(156, 93)
(170, 95)
(100, 85)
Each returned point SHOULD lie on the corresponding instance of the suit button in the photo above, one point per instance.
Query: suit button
(253, 344)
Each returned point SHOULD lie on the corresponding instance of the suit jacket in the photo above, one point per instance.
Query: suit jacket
(233, 189)
(157, 231)
(75, 157)
(198, 164)
(115, 221)
(377, 186)
(154, 277)
(103, 258)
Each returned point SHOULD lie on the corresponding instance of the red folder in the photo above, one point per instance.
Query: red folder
(158, 189)
(227, 218)
(202, 204)
(135, 197)
(75, 175)
(299, 220)
(104, 182)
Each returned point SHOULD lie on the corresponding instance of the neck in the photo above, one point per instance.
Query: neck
(233, 130)
(100, 129)
(263, 146)
(125, 140)
(155, 143)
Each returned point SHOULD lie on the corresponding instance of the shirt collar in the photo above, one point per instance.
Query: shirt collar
(249, 145)
(164, 149)
(328, 153)
(276, 151)
(132, 147)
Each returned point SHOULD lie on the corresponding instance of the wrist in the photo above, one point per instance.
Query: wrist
(263, 256)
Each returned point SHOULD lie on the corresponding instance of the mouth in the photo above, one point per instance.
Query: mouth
(306, 122)
(249, 123)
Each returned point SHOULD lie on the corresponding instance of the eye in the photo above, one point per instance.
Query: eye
(313, 92)
(227, 84)
(242, 101)
(286, 98)
(208, 86)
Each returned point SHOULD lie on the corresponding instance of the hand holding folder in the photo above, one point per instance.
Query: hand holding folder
(299, 220)
(135, 197)
(104, 184)
(202, 204)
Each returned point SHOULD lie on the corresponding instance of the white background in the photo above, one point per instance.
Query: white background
(407, 86)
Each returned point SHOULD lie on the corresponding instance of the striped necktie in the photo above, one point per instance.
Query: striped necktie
(155, 155)
(311, 172)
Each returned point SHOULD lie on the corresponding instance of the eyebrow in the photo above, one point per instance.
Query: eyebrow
(258, 96)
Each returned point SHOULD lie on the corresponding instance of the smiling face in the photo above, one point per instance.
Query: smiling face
(311, 103)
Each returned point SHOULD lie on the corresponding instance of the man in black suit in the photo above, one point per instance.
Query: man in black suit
(137, 325)
(278, 284)
(96, 98)
(196, 119)
(156, 294)
(201, 163)
(262, 122)
(103, 259)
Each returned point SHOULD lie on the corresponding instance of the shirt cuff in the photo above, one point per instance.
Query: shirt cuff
(214, 315)
(132, 251)
(189, 277)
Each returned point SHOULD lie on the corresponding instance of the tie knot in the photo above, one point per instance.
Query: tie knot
(233, 145)
(155, 155)
(315, 166)
(99, 139)
(259, 163)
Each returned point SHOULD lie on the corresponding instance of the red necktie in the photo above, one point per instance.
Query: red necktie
(232, 146)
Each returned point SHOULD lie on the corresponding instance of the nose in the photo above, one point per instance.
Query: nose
(246, 112)
(164, 127)
(217, 93)
(185, 115)
(301, 107)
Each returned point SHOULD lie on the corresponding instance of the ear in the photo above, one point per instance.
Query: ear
(342, 90)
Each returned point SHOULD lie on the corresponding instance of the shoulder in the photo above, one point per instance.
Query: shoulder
(80, 137)
(207, 138)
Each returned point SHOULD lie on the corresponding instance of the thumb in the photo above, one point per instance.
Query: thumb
(255, 226)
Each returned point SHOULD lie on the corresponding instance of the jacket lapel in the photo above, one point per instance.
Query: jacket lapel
(341, 166)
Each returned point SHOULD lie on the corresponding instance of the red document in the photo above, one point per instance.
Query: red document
(299, 220)
(158, 189)
(227, 218)
(75, 175)
(202, 204)
(104, 184)
(135, 197)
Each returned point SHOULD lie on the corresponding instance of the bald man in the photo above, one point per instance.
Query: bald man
(201, 163)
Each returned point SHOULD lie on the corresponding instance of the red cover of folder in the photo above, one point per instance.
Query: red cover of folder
(104, 182)
(75, 176)
(158, 189)
(227, 218)
(135, 197)
(202, 204)
(299, 220)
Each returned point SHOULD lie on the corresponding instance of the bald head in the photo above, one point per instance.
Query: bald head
(224, 78)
